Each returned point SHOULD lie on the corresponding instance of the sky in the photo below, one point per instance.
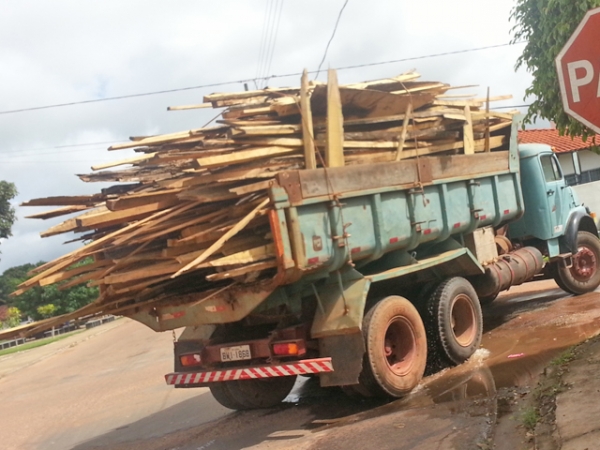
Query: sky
(67, 51)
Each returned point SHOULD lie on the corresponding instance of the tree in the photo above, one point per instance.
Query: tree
(63, 300)
(46, 311)
(12, 319)
(8, 191)
(546, 26)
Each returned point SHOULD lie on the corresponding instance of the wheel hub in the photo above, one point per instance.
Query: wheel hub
(463, 320)
(584, 264)
(399, 346)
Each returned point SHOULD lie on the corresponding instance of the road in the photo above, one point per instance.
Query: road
(104, 389)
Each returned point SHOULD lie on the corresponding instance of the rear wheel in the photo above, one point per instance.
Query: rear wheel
(453, 319)
(584, 275)
(222, 394)
(396, 348)
(261, 392)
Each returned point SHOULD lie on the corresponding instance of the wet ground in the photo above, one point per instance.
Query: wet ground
(476, 405)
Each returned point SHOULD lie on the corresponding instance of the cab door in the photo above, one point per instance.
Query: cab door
(555, 187)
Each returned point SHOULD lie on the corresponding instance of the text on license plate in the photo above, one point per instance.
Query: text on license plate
(236, 353)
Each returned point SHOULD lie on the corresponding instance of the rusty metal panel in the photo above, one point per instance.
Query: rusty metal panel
(337, 180)
(290, 181)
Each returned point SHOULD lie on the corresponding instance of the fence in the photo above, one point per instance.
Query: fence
(57, 331)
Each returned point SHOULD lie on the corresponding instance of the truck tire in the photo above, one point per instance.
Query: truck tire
(584, 275)
(222, 394)
(261, 392)
(396, 348)
(454, 323)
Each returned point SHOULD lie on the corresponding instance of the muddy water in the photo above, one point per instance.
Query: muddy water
(523, 345)
(524, 331)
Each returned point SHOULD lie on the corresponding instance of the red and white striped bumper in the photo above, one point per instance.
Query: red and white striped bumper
(303, 367)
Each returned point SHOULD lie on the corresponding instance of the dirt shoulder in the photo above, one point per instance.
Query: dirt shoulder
(561, 411)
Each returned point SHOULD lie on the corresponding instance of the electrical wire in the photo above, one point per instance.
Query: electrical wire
(247, 80)
(263, 38)
(337, 22)
(273, 42)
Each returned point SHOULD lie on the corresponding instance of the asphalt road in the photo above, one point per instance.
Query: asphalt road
(104, 389)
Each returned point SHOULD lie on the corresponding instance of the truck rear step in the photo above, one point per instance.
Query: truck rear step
(307, 366)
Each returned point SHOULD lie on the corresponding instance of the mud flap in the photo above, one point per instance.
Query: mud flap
(346, 352)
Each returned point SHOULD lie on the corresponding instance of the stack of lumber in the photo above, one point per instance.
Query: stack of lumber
(191, 211)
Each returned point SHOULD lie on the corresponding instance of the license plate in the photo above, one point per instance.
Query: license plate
(237, 353)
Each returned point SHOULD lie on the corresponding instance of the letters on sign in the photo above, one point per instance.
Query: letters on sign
(586, 70)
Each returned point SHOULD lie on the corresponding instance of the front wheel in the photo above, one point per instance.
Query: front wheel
(396, 348)
(584, 274)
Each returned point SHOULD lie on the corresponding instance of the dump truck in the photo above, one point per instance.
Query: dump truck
(381, 270)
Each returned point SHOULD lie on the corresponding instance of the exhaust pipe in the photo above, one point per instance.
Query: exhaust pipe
(511, 269)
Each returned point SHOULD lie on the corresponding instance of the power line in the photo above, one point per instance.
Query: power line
(332, 36)
(269, 59)
(246, 80)
(263, 37)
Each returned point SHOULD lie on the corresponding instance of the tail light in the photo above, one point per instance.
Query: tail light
(295, 348)
(190, 359)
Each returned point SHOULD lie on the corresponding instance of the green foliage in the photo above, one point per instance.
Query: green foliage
(546, 25)
(13, 318)
(64, 301)
(46, 311)
(8, 191)
(529, 418)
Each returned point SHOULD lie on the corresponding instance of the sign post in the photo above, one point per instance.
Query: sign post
(578, 66)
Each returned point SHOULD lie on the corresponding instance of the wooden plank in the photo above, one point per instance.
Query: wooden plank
(186, 107)
(140, 274)
(58, 212)
(88, 200)
(133, 160)
(389, 83)
(244, 156)
(254, 187)
(153, 140)
(221, 241)
(245, 94)
(487, 122)
(242, 271)
(139, 200)
(258, 100)
(468, 141)
(400, 146)
(334, 150)
(246, 257)
(270, 141)
(110, 218)
(308, 134)
(265, 130)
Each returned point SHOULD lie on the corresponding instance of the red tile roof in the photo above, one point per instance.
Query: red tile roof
(560, 144)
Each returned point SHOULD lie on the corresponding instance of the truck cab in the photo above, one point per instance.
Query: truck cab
(554, 221)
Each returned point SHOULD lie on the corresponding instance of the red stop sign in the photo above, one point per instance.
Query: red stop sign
(578, 66)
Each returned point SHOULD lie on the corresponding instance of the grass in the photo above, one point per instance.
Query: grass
(37, 343)
(529, 418)
(564, 358)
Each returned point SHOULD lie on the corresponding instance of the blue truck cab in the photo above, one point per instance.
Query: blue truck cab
(554, 220)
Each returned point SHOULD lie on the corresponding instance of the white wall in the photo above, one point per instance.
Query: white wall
(588, 160)
(589, 195)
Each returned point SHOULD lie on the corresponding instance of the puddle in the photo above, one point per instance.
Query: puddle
(522, 347)
(535, 329)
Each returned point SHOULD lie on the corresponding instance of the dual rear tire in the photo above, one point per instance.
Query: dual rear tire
(252, 394)
(401, 341)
